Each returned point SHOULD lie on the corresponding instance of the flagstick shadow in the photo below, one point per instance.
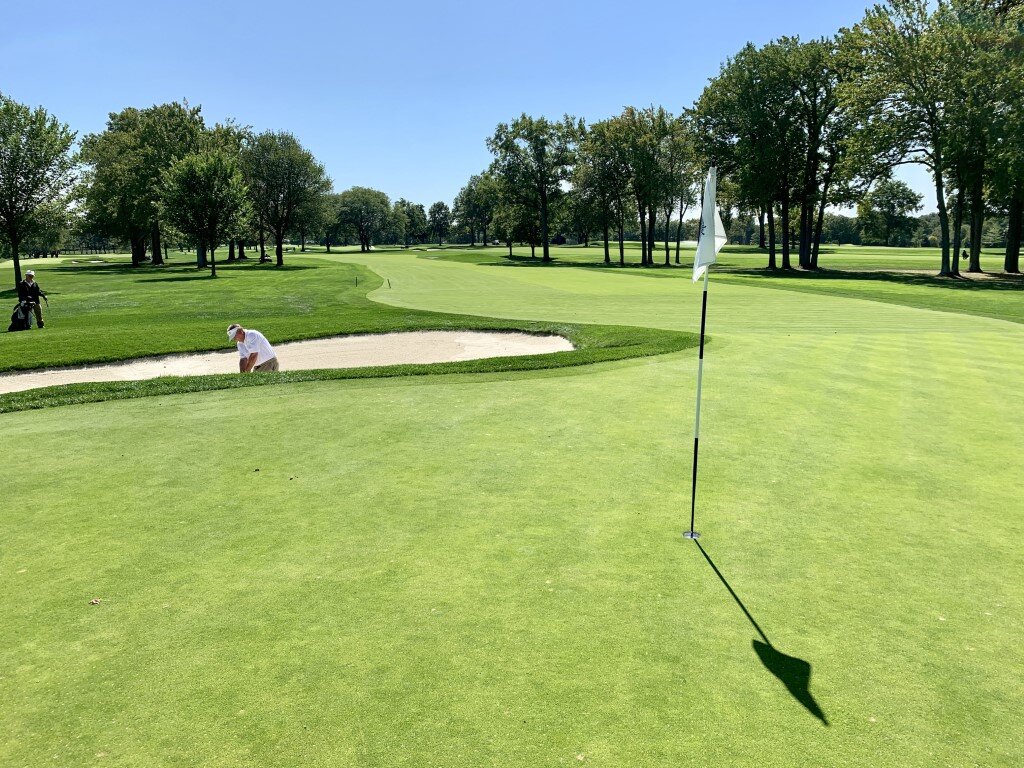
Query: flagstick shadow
(794, 673)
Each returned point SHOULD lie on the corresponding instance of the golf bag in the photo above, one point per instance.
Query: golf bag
(21, 318)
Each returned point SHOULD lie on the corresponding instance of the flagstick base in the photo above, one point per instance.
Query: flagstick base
(691, 535)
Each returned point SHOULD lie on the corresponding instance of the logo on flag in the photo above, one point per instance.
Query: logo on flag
(708, 245)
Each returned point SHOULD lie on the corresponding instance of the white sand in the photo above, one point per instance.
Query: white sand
(337, 352)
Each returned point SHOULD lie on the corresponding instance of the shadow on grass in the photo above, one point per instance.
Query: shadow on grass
(794, 673)
(148, 273)
(997, 281)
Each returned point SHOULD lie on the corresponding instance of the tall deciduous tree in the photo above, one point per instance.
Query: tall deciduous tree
(205, 196)
(284, 180)
(417, 228)
(885, 214)
(36, 170)
(365, 213)
(126, 165)
(440, 220)
(904, 66)
(532, 158)
(602, 171)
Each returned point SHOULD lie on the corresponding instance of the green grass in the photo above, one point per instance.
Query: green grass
(904, 276)
(487, 569)
(110, 311)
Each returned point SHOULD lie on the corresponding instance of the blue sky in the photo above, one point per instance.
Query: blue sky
(394, 95)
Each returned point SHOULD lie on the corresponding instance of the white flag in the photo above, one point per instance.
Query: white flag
(712, 235)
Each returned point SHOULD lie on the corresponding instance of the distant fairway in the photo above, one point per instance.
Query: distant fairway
(487, 568)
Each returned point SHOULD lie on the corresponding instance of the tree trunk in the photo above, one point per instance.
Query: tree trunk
(241, 250)
(138, 244)
(607, 250)
(760, 225)
(820, 223)
(651, 220)
(279, 242)
(1013, 234)
(958, 223)
(263, 245)
(231, 249)
(15, 242)
(510, 249)
(643, 234)
(158, 252)
(201, 254)
(940, 204)
(533, 250)
(786, 233)
(679, 234)
(544, 222)
(622, 245)
(213, 261)
(977, 224)
(771, 238)
(668, 221)
(302, 240)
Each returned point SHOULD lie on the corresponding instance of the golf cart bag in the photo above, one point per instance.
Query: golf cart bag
(21, 318)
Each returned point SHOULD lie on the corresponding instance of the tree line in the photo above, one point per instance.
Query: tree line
(796, 128)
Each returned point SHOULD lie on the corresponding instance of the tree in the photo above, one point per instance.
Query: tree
(284, 180)
(440, 220)
(50, 229)
(397, 225)
(416, 226)
(205, 196)
(885, 214)
(36, 170)
(365, 213)
(841, 230)
(748, 122)
(126, 165)
(905, 64)
(475, 204)
(532, 158)
(602, 171)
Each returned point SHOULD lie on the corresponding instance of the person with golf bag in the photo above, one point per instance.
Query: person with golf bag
(29, 294)
(29, 291)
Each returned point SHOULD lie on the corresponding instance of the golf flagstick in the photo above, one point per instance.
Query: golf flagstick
(709, 243)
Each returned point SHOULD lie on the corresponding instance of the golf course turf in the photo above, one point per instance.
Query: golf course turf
(486, 568)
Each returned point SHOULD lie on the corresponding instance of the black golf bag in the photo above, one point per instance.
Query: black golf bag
(21, 318)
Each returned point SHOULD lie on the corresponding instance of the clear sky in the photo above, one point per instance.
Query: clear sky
(395, 95)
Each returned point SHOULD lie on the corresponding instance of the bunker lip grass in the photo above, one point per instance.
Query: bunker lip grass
(348, 351)
(591, 344)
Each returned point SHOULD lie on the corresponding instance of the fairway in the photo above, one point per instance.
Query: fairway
(486, 567)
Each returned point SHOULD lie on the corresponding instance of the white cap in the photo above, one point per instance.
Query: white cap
(30, 272)
(232, 330)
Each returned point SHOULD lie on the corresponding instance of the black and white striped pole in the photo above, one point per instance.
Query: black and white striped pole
(692, 534)
(710, 240)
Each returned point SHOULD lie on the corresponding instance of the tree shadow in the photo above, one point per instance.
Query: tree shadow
(993, 281)
(794, 673)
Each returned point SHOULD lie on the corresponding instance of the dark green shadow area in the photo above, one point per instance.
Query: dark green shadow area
(792, 672)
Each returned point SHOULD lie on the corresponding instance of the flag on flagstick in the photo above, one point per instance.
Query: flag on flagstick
(709, 243)
(710, 240)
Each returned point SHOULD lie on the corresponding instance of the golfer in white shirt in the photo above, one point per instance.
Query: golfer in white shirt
(254, 351)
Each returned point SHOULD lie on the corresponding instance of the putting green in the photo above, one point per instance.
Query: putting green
(487, 568)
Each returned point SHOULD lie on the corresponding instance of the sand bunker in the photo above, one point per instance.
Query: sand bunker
(337, 352)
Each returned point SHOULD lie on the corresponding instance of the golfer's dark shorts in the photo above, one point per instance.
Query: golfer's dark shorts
(270, 365)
